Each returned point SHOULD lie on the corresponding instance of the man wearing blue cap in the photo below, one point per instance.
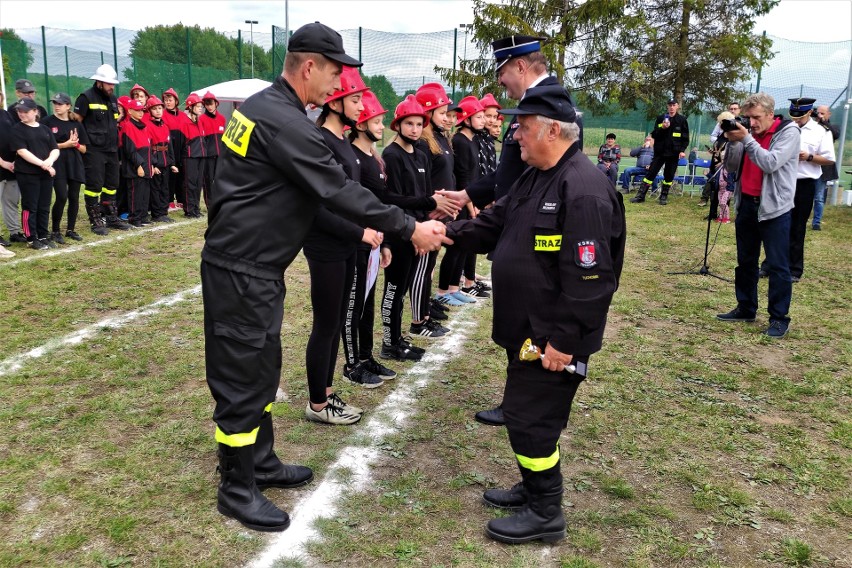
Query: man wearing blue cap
(275, 172)
(520, 66)
(557, 243)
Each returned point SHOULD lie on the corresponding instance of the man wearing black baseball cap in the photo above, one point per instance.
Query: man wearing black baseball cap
(24, 89)
(557, 242)
(274, 173)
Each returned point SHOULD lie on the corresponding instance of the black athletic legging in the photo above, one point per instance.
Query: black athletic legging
(470, 266)
(330, 284)
(357, 331)
(421, 285)
(67, 191)
(398, 277)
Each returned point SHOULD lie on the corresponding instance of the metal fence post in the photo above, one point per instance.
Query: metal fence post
(44, 51)
(359, 43)
(759, 70)
(240, 52)
(67, 73)
(115, 52)
(455, 54)
(188, 63)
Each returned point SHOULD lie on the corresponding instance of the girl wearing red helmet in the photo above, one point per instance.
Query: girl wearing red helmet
(436, 145)
(174, 118)
(214, 128)
(139, 93)
(330, 248)
(358, 327)
(193, 157)
(470, 118)
(163, 158)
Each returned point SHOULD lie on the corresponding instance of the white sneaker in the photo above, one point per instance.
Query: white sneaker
(331, 414)
(5, 253)
(340, 403)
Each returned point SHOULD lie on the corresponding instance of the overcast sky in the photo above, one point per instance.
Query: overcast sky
(803, 20)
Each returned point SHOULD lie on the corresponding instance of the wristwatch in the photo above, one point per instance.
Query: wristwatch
(810, 157)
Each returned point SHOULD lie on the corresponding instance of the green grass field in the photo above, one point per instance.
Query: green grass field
(692, 443)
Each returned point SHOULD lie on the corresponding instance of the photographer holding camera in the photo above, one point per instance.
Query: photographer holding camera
(766, 189)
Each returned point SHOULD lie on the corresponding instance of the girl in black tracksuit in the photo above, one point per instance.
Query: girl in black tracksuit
(330, 248)
(408, 187)
(72, 140)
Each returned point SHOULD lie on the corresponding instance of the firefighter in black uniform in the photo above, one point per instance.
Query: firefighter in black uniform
(558, 247)
(671, 139)
(97, 109)
(520, 65)
(275, 173)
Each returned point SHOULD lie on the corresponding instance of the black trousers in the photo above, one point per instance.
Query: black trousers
(421, 285)
(242, 345)
(452, 266)
(102, 177)
(803, 204)
(160, 196)
(398, 277)
(36, 192)
(67, 191)
(536, 406)
(138, 198)
(208, 175)
(669, 165)
(470, 266)
(330, 286)
(176, 185)
(193, 177)
(357, 331)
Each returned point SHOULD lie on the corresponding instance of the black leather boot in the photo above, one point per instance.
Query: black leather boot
(640, 193)
(95, 219)
(664, 195)
(513, 498)
(492, 417)
(111, 214)
(268, 469)
(239, 497)
(541, 518)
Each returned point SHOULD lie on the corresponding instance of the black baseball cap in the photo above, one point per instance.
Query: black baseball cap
(61, 98)
(25, 105)
(319, 38)
(24, 86)
(551, 101)
(672, 102)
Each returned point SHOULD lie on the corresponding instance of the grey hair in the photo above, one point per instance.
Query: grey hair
(567, 130)
(762, 100)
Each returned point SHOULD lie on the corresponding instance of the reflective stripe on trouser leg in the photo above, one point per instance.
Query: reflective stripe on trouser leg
(89, 193)
(539, 464)
(236, 440)
(108, 191)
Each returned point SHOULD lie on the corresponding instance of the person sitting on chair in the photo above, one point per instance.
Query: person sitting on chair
(644, 156)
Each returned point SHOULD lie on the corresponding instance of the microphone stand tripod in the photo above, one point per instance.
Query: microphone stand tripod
(714, 205)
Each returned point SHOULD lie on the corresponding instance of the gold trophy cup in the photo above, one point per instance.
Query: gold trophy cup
(530, 352)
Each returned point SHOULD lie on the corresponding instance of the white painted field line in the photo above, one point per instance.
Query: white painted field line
(16, 362)
(351, 470)
(100, 242)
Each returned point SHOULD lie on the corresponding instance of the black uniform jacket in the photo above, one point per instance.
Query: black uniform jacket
(673, 140)
(558, 240)
(271, 177)
(99, 113)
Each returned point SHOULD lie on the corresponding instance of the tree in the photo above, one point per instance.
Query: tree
(17, 56)
(627, 52)
(383, 90)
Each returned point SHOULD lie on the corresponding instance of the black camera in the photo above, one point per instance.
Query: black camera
(729, 124)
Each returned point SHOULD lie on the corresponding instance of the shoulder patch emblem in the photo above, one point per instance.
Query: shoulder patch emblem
(586, 254)
(238, 133)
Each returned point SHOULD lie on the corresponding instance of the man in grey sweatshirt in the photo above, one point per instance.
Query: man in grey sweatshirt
(765, 190)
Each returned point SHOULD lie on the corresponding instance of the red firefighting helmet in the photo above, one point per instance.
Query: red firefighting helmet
(153, 101)
(468, 106)
(489, 101)
(191, 100)
(432, 96)
(408, 107)
(208, 95)
(350, 83)
(372, 107)
(138, 87)
(172, 92)
(131, 104)
(122, 100)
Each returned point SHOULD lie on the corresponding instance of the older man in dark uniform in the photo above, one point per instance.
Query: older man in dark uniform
(558, 248)
(274, 174)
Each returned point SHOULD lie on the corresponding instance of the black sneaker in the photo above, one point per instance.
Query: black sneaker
(406, 341)
(436, 314)
(73, 235)
(437, 327)
(735, 315)
(163, 219)
(56, 237)
(48, 243)
(426, 330)
(18, 238)
(438, 305)
(399, 352)
(777, 329)
(4, 242)
(476, 291)
(361, 376)
(38, 245)
(483, 285)
(378, 369)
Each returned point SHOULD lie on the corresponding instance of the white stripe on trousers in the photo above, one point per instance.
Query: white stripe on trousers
(420, 284)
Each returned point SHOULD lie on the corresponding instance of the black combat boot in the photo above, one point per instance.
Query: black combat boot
(268, 469)
(95, 219)
(110, 211)
(640, 193)
(664, 195)
(513, 498)
(239, 497)
(541, 518)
